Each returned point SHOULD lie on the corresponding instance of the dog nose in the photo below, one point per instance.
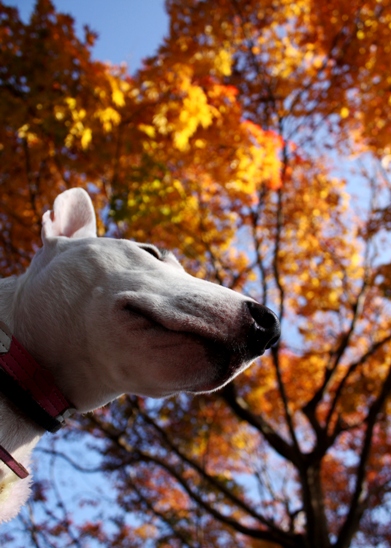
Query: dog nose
(265, 331)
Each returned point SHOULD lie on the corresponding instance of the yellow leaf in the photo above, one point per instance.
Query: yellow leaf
(344, 112)
(149, 130)
(223, 62)
(71, 102)
(109, 118)
(22, 131)
(118, 97)
(86, 137)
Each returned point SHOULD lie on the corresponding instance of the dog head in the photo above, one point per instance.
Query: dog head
(113, 316)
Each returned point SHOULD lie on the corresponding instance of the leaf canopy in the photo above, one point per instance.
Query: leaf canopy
(256, 145)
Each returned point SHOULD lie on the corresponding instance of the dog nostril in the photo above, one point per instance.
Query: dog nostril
(263, 316)
(272, 342)
(265, 332)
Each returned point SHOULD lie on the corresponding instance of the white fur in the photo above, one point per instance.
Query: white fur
(107, 317)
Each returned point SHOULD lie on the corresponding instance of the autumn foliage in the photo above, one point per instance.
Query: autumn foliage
(256, 144)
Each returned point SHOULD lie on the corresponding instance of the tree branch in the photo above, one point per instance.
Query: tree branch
(357, 505)
(349, 372)
(279, 224)
(210, 479)
(277, 442)
(273, 533)
(288, 416)
(71, 462)
(160, 515)
(335, 358)
(285, 539)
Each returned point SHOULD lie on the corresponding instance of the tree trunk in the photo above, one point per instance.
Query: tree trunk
(317, 531)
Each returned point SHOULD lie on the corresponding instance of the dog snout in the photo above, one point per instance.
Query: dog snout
(265, 331)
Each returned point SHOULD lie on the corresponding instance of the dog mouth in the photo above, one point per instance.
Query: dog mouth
(222, 360)
(228, 361)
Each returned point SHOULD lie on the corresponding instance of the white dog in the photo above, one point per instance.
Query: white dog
(106, 317)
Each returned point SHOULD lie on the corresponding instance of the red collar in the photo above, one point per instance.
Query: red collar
(31, 388)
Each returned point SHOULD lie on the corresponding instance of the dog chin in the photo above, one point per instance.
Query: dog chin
(207, 388)
(222, 375)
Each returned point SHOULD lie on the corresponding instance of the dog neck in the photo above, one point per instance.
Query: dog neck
(29, 386)
(18, 434)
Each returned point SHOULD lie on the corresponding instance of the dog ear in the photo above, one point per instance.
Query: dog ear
(73, 216)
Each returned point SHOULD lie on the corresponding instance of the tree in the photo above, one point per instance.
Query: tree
(239, 145)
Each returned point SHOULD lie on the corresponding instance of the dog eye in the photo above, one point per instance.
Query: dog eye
(152, 250)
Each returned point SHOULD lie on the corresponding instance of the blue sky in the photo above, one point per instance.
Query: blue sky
(129, 30)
